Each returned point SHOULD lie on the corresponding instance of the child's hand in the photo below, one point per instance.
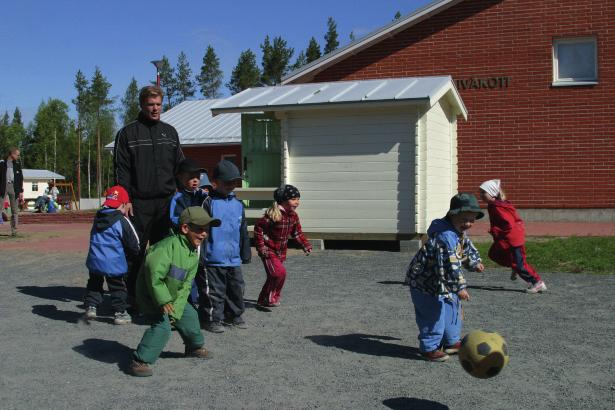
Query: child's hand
(480, 267)
(463, 295)
(167, 309)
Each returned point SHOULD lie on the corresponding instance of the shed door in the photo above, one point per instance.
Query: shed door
(261, 148)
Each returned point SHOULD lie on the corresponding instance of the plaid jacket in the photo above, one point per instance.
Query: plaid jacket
(271, 238)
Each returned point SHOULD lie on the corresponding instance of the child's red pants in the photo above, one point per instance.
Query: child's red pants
(514, 257)
(276, 275)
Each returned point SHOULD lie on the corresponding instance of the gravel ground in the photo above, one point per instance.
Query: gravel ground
(344, 337)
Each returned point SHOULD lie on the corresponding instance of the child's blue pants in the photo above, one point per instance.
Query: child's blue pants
(438, 318)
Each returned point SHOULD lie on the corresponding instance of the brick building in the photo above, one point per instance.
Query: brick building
(537, 79)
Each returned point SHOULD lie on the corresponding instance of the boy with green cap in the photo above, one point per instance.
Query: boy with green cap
(436, 280)
(163, 286)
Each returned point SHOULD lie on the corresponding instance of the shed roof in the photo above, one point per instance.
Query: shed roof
(40, 174)
(427, 90)
(196, 126)
(307, 72)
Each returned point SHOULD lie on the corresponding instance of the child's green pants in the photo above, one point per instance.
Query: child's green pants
(157, 336)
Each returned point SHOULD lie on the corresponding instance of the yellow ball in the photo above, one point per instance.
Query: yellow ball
(483, 354)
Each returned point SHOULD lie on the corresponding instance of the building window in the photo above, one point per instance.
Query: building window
(34, 186)
(575, 61)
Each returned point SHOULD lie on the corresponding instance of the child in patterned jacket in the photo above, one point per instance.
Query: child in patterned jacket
(271, 234)
(436, 279)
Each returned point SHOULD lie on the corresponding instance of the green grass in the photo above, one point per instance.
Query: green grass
(574, 254)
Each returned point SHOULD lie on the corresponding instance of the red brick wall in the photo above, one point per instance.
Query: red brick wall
(208, 156)
(553, 147)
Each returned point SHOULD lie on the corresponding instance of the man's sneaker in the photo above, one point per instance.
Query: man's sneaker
(454, 349)
(237, 322)
(122, 318)
(538, 287)
(513, 275)
(214, 327)
(435, 356)
(200, 353)
(90, 312)
(140, 369)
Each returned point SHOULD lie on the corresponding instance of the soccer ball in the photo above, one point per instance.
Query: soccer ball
(483, 354)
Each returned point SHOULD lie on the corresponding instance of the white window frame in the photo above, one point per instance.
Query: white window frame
(557, 81)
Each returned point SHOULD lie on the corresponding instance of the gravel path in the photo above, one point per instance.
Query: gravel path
(344, 337)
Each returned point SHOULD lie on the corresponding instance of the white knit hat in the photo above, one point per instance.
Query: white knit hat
(492, 187)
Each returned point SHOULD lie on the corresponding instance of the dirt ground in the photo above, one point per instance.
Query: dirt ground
(344, 337)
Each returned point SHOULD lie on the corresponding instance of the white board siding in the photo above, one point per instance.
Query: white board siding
(354, 168)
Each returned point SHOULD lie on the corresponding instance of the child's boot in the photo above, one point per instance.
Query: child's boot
(435, 356)
(140, 369)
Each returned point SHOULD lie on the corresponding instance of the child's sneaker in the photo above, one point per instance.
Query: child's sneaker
(200, 353)
(454, 349)
(538, 287)
(90, 312)
(140, 369)
(214, 327)
(237, 322)
(435, 356)
(513, 275)
(122, 318)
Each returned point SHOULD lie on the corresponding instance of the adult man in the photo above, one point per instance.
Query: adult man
(146, 156)
(11, 184)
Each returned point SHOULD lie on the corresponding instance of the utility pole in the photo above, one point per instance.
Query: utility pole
(157, 64)
(54, 149)
(79, 165)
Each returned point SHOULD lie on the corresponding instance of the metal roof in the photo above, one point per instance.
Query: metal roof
(40, 174)
(307, 72)
(426, 90)
(196, 126)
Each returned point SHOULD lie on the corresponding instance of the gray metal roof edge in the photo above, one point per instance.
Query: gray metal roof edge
(375, 36)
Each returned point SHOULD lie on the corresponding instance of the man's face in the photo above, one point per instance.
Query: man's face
(152, 108)
(195, 234)
(15, 155)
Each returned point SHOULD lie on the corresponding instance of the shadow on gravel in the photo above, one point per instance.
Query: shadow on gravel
(496, 289)
(59, 293)
(401, 403)
(106, 351)
(392, 282)
(368, 344)
(52, 312)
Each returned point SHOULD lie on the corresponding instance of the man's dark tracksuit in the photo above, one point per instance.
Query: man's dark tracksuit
(219, 279)
(146, 156)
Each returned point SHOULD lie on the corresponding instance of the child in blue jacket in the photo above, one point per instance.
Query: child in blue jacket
(220, 279)
(192, 178)
(111, 238)
(436, 279)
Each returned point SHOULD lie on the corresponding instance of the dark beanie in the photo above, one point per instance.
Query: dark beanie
(286, 192)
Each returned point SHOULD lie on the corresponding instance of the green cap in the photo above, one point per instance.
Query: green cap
(465, 201)
(196, 215)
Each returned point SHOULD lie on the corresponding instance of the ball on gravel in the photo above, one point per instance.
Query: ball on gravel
(483, 354)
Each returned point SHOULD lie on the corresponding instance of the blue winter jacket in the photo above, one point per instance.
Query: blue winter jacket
(228, 245)
(111, 237)
(182, 200)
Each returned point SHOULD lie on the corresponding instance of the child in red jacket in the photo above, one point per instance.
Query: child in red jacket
(508, 233)
(271, 234)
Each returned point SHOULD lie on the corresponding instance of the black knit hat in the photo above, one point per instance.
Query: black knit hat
(286, 192)
(226, 171)
(465, 201)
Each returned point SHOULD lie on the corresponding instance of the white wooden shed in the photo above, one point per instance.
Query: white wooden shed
(373, 159)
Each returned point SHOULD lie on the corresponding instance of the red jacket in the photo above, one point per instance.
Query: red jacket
(506, 224)
(272, 237)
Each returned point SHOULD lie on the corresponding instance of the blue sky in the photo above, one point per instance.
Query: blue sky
(43, 43)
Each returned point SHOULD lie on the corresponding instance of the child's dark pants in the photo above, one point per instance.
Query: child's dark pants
(117, 290)
(221, 290)
(514, 257)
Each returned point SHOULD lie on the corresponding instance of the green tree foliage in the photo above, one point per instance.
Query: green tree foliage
(167, 82)
(210, 78)
(245, 74)
(313, 51)
(12, 133)
(275, 60)
(300, 61)
(397, 16)
(331, 42)
(352, 36)
(183, 79)
(130, 103)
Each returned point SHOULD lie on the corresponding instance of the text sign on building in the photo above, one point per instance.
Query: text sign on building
(482, 83)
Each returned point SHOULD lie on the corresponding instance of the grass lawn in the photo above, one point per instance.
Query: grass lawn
(574, 254)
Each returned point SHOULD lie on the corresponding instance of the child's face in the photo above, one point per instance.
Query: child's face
(190, 181)
(195, 234)
(225, 187)
(463, 220)
(486, 197)
(292, 204)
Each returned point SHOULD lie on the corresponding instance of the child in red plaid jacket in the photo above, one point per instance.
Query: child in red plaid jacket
(271, 234)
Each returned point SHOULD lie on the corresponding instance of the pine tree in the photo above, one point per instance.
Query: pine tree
(130, 103)
(245, 74)
(167, 81)
(183, 79)
(301, 61)
(210, 78)
(397, 16)
(81, 102)
(100, 108)
(313, 51)
(331, 42)
(275, 60)
(4, 129)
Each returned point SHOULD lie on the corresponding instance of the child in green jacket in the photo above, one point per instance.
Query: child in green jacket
(163, 285)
